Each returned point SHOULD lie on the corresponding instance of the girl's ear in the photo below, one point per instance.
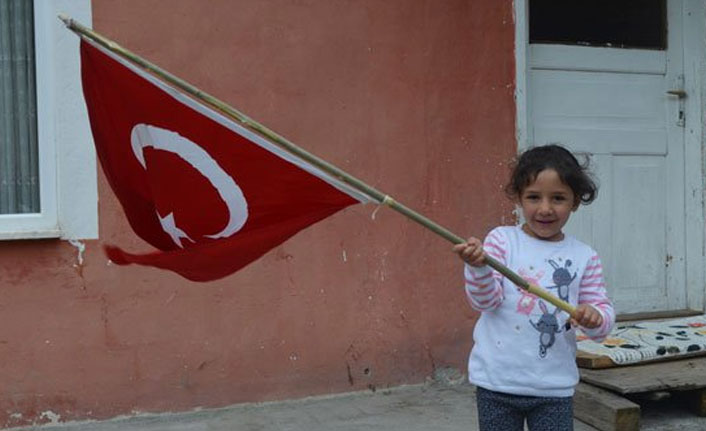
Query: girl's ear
(577, 203)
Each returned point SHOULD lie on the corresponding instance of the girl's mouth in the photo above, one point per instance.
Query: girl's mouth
(545, 221)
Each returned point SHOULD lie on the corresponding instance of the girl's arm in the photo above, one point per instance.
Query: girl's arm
(592, 292)
(484, 288)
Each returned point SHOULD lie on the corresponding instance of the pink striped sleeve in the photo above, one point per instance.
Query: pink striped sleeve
(484, 285)
(592, 291)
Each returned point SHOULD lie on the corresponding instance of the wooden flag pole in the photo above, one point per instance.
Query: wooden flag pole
(288, 146)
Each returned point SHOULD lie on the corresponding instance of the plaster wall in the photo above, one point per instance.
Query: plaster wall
(415, 98)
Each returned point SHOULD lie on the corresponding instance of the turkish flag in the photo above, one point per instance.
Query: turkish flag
(211, 195)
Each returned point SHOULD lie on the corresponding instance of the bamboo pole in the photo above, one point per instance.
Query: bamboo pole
(288, 146)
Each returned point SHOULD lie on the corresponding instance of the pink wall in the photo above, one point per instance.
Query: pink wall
(414, 97)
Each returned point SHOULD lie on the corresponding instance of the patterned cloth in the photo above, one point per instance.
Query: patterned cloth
(632, 342)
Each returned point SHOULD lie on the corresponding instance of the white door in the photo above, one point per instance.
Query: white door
(624, 108)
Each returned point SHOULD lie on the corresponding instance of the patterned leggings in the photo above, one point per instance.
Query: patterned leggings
(505, 412)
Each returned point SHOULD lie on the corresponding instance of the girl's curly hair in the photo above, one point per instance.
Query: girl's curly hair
(572, 173)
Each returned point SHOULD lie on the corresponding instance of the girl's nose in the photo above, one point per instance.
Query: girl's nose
(545, 206)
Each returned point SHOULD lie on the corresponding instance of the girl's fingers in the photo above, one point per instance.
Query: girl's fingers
(460, 248)
(583, 317)
(589, 321)
(597, 320)
(588, 318)
(578, 315)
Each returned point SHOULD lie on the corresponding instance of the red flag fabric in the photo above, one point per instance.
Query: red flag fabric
(211, 195)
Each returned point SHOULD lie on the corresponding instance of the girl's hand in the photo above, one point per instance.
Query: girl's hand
(471, 252)
(587, 316)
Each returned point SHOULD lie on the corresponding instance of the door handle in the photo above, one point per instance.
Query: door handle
(679, 93)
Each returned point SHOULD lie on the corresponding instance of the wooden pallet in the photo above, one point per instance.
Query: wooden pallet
(601, 401)
(679, 375)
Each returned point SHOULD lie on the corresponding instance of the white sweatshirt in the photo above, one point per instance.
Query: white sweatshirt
(521, 342)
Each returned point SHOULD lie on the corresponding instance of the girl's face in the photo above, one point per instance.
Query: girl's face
(546, 205)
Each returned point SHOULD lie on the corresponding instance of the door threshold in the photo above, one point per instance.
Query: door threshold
(653, 315)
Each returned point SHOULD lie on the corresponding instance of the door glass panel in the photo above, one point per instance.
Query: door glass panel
(607, 23)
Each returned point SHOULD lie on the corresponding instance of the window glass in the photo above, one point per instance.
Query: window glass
(607, 23)
(19, 177)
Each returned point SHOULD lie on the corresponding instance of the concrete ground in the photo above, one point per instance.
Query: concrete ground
(432, 406)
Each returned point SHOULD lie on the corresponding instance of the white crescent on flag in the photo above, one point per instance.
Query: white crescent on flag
(145, 135)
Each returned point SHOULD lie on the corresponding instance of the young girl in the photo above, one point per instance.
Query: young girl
(523, 359)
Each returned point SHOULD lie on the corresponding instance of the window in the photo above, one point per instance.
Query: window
(607, 23)
(48, 183)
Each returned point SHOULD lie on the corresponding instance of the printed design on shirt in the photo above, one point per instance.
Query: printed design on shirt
(548, 326)
(562, 278)
(527, 301)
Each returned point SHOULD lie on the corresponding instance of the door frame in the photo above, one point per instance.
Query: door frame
(694, 45)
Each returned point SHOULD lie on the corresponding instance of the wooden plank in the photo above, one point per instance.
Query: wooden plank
(589, 360)
(685, 374)
(605, 410)
(654, 315)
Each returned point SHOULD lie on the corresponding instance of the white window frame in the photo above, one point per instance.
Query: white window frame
(68, 189)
